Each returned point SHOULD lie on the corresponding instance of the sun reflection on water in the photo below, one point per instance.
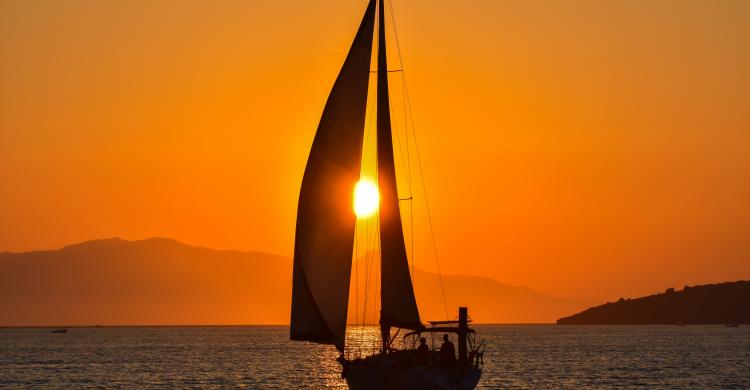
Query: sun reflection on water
(362, 341)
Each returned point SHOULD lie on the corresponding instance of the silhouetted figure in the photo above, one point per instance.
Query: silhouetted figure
(447, 353)
(422, 352)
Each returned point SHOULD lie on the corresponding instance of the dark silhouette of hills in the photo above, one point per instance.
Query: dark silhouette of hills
(489, 301)
(151, 282)
(723, 303)
(161, 281)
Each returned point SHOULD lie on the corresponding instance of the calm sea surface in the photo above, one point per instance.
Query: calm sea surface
(518, 356)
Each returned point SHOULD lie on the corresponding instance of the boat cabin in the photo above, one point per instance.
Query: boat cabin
(469, 352)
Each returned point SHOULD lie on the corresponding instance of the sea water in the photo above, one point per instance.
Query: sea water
(262, 357)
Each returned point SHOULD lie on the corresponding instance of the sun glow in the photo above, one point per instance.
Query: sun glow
(366, 198)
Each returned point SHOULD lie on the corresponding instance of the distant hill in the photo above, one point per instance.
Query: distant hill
(724, 303)
(154, 281)
(489, 301)
(161, 281)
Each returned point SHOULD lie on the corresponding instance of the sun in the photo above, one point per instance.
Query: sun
(366, 198)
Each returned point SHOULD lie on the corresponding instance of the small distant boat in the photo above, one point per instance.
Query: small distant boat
(732, 325)
(60, 330)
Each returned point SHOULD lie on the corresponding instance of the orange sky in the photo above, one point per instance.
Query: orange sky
(584, 148)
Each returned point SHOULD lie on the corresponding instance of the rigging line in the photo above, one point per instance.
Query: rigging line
(411, 238)
(403, 83)
(365, 153)
(406, 131)
(408, 177)
(371, 256)
(379, 274)
(427, 206)
(401, 66)
(376, 236)
(356, 276)
(370, 138)
(367, 265)
(394, 130)
(408, 173)
(368, 268)
(370, 126)
(419, 159)
(371, 243)
(401, 151)
(376, 243)
(374, 255)
(371, 100)
(367, 254)
(367, 282)
(395, 34)
(359, 222)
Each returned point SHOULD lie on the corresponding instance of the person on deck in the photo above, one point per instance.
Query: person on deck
(422, 352)
(447, 352)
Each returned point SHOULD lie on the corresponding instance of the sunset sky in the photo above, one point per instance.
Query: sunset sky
(585, 148)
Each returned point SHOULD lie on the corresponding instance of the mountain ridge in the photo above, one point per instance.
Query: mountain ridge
(160, 280)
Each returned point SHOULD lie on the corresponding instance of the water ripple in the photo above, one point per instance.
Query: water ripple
(517, 357)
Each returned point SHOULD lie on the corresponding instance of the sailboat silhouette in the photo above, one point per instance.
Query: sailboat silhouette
(325, 234)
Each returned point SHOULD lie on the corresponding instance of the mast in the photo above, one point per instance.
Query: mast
(398, 304)
(463, 325)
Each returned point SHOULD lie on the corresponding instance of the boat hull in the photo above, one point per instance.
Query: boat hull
(381, 372)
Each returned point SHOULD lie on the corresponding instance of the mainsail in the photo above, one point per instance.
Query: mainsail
(325, 221)
(398, 305)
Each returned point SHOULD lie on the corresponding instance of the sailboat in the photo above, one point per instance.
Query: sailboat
(325, 234)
